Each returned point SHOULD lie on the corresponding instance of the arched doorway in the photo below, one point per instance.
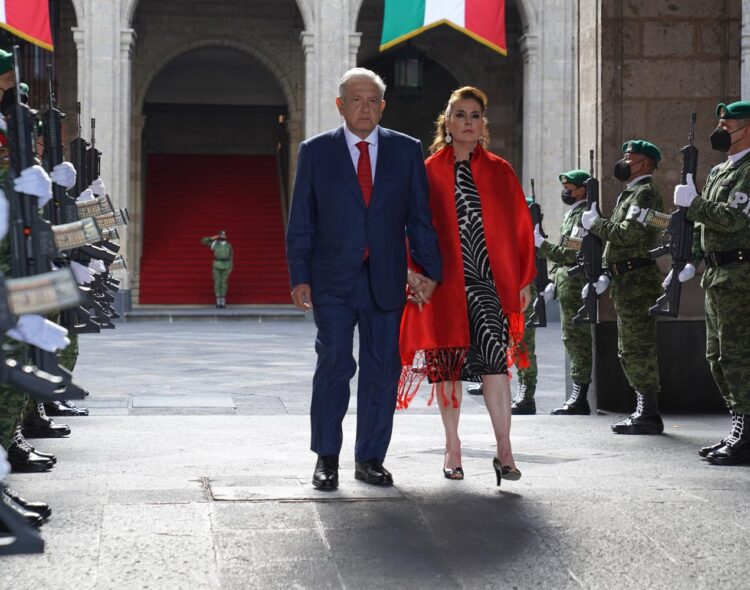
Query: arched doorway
(210, 161)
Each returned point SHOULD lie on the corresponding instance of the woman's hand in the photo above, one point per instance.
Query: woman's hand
(525, 297)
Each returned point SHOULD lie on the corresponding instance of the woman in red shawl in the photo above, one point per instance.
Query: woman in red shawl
(472, 327)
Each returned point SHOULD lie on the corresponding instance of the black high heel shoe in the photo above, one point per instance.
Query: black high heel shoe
(505, 471)
(456, 473)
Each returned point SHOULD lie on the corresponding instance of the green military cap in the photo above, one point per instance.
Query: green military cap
(736, 110)
(222, 234)
(577, 177)
(641, 146)
(6, 61)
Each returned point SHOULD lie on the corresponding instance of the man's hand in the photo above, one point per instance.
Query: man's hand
(525, 297)
(4, 214)
(538, 238)
(35, 181)
(302, 296)
(97, 266)
(600, 285)
(97, 187)
(64, 174)
(549, 292)
(83, 274)
(40, 332)
(86, 195)
(684, 194)
(686, 274)
(589, 217)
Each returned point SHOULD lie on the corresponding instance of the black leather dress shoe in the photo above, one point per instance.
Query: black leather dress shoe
(475, 390)
(24, 460)
(373, 472)
(523, 407)
(326, 476)
(639, 424)
(64, 408)
(736, 452)
(43, 427)
(31, 518)
(705, 451)
(40, 508)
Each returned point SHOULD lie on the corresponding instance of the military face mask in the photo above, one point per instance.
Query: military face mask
(721, 139)
(567, 196)
(624, 170)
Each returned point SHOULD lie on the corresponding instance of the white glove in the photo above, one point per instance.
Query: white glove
(685, 193)
(97, 187)
(86, 195)
(4, 214)
(83, 274)
(4, 465)
(538, 238)
(97, 266)
(64, 174)
(549, 292)
(37, 331)
(600, 285)
(589, 217)
(35, 181)
(686, 274)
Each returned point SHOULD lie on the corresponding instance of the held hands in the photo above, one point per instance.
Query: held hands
(600, 285)
(589, 217)
(538, 238)
(684, 194)
(421, 288)
(686, 274)
(525, 297)
(302, 296)
(35, 181)
(64, 174)
(549, 292)
(40, 332)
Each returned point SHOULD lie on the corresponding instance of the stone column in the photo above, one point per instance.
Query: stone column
(745, 55)
(532, 129)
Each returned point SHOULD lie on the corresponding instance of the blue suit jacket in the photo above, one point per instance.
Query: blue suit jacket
(330, 227)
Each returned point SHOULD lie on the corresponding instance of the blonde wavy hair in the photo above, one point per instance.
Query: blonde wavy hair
(470, 92)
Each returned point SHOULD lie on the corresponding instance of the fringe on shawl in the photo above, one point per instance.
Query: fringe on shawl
(438, 365)
(517, 354)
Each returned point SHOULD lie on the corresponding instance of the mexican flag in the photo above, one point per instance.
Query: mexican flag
(28, 19)
(482, 20)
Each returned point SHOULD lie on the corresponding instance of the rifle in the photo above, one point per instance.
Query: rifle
(589, 256)
(78, 155)
(93, 157)
(679, 234)
(539, 317)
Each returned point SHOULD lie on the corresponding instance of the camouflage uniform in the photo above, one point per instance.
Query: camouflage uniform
(222, 265)
(722, 225)
(576, 338)
(528, 376)
(635, 291)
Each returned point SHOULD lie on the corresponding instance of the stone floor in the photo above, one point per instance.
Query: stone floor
(193, 472)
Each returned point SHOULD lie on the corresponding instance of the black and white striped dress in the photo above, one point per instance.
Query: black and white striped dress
(488, 325)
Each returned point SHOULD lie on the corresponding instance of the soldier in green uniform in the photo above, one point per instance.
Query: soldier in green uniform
(576, 338)
(722, 237)
(523, 402)
(635, 279)
(222, 265)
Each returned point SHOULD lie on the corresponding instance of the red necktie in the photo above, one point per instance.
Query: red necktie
(364, 172)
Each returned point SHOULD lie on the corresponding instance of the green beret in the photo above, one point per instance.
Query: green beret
(736, 110)
(6, 61)
(577, 177)
(641, 146)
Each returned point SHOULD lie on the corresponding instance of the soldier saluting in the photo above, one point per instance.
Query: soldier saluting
(635, 279)
(722, 237)
(222, 265)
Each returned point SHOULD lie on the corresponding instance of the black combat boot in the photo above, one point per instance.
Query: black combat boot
(736, 449)
(38, 425)
(524, 404)
(40, 508)
(645, 419)
(577, 404)
(23, 458)
(64, 408)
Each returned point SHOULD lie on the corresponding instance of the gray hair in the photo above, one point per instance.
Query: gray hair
(361, 73)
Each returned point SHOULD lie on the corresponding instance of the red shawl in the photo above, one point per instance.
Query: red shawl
(441, 329)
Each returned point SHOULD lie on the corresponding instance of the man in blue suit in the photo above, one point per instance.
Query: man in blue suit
(360, 190)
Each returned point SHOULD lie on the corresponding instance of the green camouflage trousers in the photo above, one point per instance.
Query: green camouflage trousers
(632, 294)
(221, 281)
(728, 345)
(528, 376)
(576, 338)
(12, 407)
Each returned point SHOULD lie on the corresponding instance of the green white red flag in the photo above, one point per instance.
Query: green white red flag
(28, 19)
(482, 20)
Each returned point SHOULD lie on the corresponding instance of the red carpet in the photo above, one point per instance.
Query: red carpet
(191, 196)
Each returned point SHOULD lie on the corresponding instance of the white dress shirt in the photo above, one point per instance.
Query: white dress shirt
(734, 158)
(352, 141)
